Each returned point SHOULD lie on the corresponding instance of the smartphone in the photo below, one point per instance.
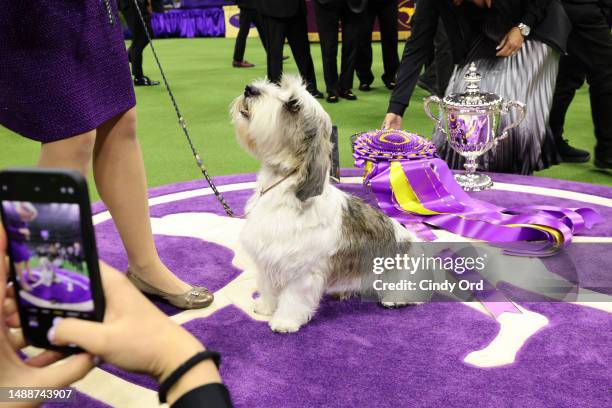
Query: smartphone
(52, 249)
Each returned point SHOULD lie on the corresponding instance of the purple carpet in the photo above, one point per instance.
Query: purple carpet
(358, 354)
(67, 288)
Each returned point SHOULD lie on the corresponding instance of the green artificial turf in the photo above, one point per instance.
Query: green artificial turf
(204, 84)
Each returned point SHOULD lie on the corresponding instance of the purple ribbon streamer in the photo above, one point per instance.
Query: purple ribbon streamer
(434, 185)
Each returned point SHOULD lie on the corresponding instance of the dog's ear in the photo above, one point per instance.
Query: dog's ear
(293, 105)
(315, 165)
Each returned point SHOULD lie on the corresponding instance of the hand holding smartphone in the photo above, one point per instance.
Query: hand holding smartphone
(52, 249)
(56, 274)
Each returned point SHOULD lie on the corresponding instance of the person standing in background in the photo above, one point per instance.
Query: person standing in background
(139, 36)
(248, 16)
(517, 48)
(386, 11)
(419, 49)
(513, 61)
(287, 19)
(589, 55)
(330, 13)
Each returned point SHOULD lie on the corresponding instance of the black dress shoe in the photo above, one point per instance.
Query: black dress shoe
(365, 87)
(389, 84)
(603, 162)
(145, 81)
(348, 95)
(317, 94)
(570, 154)
(332, 98)
(242, 64)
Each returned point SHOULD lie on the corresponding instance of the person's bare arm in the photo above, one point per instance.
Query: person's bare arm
(136, 336)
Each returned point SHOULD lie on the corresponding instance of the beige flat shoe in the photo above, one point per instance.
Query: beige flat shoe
(195, 298)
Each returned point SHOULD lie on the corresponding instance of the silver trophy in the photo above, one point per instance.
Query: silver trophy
(471, 121)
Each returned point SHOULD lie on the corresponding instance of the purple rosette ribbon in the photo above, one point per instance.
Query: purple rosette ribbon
(418, 189)
(373, 150)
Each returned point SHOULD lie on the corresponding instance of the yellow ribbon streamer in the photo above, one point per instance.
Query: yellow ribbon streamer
(409, 201)
(404, 194)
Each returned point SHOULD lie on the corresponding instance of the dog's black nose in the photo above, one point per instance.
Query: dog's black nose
(250, 90)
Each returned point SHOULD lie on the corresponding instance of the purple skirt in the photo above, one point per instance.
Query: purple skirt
(19, 251)
(63, 68)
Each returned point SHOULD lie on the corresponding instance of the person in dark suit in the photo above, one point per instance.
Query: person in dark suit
(438, 72)
(497, 36)
(386, 11)
(139, 37)
(248, 16)
(330, 13)
(287, 19)
(589, 56)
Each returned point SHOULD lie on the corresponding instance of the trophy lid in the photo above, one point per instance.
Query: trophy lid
(472, 96)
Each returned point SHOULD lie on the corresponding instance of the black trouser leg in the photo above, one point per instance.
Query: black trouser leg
(439, 72)
(297, 36)
(260, 29)
(571, 77)
(590, 44)
(417, 51)
(443, 59)
(387, 17)
(419, 46)
(247, 17)
(274, 29)
(327, 23)
(363, 64)
(352, 26)
(139, 37)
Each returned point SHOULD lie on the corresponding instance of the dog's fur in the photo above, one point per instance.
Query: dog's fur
(303, 234)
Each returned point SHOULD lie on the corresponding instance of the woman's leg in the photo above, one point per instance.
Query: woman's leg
(72, 153)
(121, 182)
(20, 269)
(28, 271)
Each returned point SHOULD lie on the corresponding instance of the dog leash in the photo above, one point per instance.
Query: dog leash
(265, 190)
(181, 120)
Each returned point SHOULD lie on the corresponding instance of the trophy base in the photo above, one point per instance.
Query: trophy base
(474, 181)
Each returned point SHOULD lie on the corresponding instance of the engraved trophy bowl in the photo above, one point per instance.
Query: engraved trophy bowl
(471, 122)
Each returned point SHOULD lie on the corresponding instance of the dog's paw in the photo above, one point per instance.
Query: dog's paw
(397, 305)
(262, 308)
(283, 325)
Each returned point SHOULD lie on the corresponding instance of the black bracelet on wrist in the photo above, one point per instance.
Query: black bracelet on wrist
(165, 386)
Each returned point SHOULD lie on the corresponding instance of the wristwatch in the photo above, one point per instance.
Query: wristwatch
(524, 28)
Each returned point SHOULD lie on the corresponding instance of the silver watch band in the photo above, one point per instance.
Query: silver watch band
(524, 28)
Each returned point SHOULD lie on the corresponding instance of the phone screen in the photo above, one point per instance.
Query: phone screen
(51, 248)
(46, 249)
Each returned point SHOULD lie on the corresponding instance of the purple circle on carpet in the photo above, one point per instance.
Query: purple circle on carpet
(357, 354)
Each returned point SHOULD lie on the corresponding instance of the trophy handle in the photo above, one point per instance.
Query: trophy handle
(426, 104)
(522, 111)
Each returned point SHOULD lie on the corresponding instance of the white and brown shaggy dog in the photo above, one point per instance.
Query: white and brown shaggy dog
(302, 232)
